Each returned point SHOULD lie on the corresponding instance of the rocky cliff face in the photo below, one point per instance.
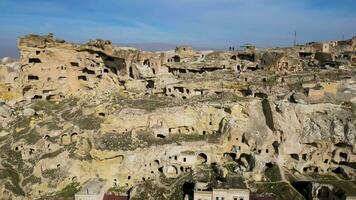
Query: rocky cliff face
(77, 114)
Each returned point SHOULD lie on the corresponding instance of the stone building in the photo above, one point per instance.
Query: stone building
(223, 194)
(233, 189)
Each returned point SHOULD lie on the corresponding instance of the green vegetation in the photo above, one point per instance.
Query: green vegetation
(52, 155)
(171, 189)
(346, 185)
(321, 177)
(69, 190)
(51, 107)
(69, 115)
(22, 123)
(51, 124)
(32, 137)
(205, 173)
(351, 106)
(116, 141)
(90, 122)
(282, 190)
(66, 193)
(118, 190)
(272, 80)
(32, 180)
(12, 157)
(14, 180)
(231, 166)
(150, 191)
(188, 152)
(126, 142)
(51, 173)
(146, 103)
(273, 174)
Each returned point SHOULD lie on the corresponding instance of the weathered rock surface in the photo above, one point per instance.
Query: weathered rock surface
(73, 113)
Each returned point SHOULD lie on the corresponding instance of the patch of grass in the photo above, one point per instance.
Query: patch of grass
(31, 180)
(69, 115)
(282, 190)
(52, 154)
(188, 152)
(15, 188)
(126, 142)
(90, 122)
(51, 173)
(118, 190)
(51, 125)
(205, 174)
(51, 107)
(149, 190)
(321, 177)
(231, 166)
(273, 174)
(22, 123)
(177, 189)
(116, 141)
(32, 137)
(12, 157)
(27, 170)
(272, 80)
(145, 103)
(346, 185)
(14, 180)
(150, 140)
(69, 190)
(66, 193)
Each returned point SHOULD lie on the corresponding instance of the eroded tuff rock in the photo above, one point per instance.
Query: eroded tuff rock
(136, 120)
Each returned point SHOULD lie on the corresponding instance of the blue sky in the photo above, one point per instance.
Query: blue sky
(202, 23)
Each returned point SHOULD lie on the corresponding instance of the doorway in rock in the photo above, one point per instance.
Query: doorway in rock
(188, 189)
(131, 72)
(202, 158)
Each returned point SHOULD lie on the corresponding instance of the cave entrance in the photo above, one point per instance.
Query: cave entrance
(238, 67)
(176, 58)
(161, 136)
(147, 63)
(150, 84)
(88, 71)
(131, 72)
(82, 77)
(32, 77)
(202, 158)
(34, 60)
